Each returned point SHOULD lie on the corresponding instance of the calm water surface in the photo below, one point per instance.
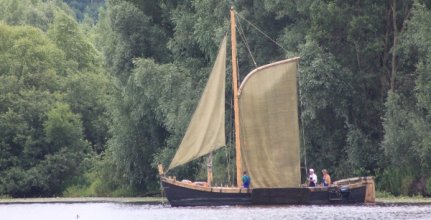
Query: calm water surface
(114, 211)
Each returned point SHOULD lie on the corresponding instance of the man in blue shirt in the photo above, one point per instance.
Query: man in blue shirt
(245, 180)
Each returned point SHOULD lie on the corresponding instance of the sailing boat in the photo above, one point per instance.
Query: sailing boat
(267, 142)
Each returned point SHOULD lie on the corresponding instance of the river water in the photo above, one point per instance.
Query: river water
(118, 211)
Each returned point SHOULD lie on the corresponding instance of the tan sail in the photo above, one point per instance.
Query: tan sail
(269, 125)
(206, 131)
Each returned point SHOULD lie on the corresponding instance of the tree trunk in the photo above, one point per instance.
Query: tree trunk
(385, 77)
(395, 45)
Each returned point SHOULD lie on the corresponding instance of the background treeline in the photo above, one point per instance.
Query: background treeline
(94, 94)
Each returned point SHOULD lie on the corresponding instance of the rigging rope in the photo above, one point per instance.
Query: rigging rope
(242, 34)
(302, 126)
(251, 24)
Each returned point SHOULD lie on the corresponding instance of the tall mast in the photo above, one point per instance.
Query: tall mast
(235, 96)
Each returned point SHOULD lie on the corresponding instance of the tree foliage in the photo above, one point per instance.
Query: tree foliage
(407, 116)
(67, 35)
(36, 13)
(46, 127)
(98, 100)
(84, 8)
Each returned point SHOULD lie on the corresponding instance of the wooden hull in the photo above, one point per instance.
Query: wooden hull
(180, 194)
(349, 191)
(307, 196)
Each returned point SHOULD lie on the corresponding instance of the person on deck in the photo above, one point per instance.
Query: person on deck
(312, 178)
(245, 180)
(326, 179)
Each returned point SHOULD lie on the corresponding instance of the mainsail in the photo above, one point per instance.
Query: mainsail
(206, 131)
(269, 125)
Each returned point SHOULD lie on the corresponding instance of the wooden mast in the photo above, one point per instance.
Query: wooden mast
(235, 97)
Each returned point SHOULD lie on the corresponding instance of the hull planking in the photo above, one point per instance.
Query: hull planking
(349, 191)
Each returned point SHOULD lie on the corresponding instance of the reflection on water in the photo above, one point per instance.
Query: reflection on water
(113, 211)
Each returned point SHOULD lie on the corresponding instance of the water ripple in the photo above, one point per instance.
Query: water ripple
(116, 211)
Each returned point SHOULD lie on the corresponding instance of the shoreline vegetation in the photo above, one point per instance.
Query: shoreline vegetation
(387, 200)
(125, 200)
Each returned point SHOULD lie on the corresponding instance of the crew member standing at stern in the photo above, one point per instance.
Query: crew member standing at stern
(326, 179)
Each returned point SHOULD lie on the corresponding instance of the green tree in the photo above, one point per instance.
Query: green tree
(129, 34)
(29, 55)
(67, 35)
(417, 38)
(406, 124)
(36, 13)
(87, 94)
(149, 109)
(326, 97)
(85, 7)
(63, 128)
(42, 144)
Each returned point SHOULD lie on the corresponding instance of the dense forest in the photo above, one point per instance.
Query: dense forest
(94, 94)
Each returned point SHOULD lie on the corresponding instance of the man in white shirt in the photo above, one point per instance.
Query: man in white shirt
(312, 178)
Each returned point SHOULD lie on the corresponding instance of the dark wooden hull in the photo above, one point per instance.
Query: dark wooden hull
(183, 196)
(344, 192)
(308, 196)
